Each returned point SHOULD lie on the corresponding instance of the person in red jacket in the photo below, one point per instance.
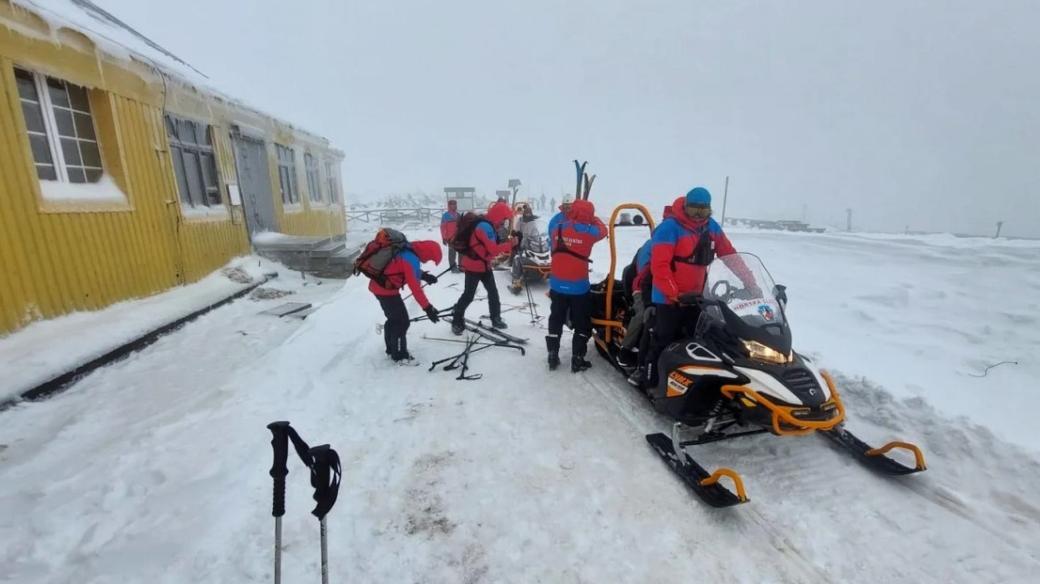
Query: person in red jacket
(449, 224)
(572, 238)
(483, 246)
(682, 248)
(404, 270)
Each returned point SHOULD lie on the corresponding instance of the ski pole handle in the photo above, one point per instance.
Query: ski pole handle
(279, 470)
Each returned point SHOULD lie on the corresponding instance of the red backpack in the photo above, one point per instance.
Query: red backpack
(378, 254)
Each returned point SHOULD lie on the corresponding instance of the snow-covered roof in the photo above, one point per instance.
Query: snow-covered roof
(119, 40)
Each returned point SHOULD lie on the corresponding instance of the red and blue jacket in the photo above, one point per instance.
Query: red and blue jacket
(449, 224)
(484, 245)
(642, 266)
(572, 238)
(673, 263)
(404, 269)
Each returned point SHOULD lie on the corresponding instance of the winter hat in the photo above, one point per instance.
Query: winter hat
(427, 251)
(498, 213)
(699, 197)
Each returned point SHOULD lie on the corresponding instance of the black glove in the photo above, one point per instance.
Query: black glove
(428, 278)
(432, 313)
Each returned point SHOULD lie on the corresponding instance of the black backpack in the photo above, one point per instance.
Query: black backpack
(464, 233)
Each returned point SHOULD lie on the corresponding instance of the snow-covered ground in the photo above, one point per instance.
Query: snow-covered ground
(48, 348)
(155, 469)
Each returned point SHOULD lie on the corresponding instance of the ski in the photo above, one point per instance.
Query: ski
(580, 170)
(874, 458)
(703, 483)
(588, 185)
(494, 331)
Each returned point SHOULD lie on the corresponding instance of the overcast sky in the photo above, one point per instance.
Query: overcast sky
(913, 113)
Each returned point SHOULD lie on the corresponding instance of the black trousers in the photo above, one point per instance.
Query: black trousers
(452, 257)
(579, 308)
(670, 322)
(396, 327)
(472, 279)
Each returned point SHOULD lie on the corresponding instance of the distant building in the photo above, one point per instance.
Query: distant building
(466, 197)
(123, 174)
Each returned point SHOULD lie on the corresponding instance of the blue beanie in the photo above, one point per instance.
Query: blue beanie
(698, 196)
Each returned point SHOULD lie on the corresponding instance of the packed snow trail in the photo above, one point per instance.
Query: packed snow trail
(155, 471)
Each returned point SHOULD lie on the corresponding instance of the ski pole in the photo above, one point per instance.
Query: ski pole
(441, 312)
(446, 270)
(325, 478)
(280, 444)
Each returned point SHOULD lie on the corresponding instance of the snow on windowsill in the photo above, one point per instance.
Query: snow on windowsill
(104, 191)
(213, 213)
(293, 208)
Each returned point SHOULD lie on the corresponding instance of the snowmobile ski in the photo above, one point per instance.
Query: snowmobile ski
(706, 485)
(494, 331)
(874, 458)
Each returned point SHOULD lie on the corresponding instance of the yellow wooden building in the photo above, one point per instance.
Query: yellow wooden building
(122, 175)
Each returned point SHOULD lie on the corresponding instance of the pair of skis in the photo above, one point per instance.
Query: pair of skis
(707, 486)
(584, 187)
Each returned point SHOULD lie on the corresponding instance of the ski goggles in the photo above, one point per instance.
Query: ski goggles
(698, 211)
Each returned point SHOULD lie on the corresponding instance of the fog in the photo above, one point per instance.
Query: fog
(919, 115)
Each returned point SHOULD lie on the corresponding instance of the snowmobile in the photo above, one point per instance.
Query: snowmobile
(734, 374)
(532, 260)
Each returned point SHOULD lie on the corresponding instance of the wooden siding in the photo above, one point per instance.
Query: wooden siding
(59, 257)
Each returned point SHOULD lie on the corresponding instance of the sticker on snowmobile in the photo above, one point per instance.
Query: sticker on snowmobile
(678, 384)
(758, 308)
(695, 370)
(766, 312)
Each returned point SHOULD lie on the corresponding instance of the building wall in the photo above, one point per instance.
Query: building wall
(59, 257)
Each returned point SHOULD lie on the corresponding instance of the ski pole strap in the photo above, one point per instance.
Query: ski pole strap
(325, 478)
(280, 444)
(301, 447)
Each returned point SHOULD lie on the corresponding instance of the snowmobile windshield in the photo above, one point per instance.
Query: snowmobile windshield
(742, 283)
(535, 236)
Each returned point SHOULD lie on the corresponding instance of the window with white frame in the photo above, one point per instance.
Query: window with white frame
(310, 164)
(61, 129)
(194, 162)
(330, 176)
(287, 175)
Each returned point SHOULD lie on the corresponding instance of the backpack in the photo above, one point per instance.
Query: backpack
(378, 253)
(464, 233)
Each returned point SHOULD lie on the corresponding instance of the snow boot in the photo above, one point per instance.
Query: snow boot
(552, 344)
(455, 270)
(579, 364)
(457, 328)
(579, 345)
(499, 323)
(406, 360)
(638, 378)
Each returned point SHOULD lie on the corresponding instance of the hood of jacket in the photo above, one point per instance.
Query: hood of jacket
(427, 251)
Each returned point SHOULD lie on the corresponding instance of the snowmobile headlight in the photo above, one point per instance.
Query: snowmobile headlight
(757, 350)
